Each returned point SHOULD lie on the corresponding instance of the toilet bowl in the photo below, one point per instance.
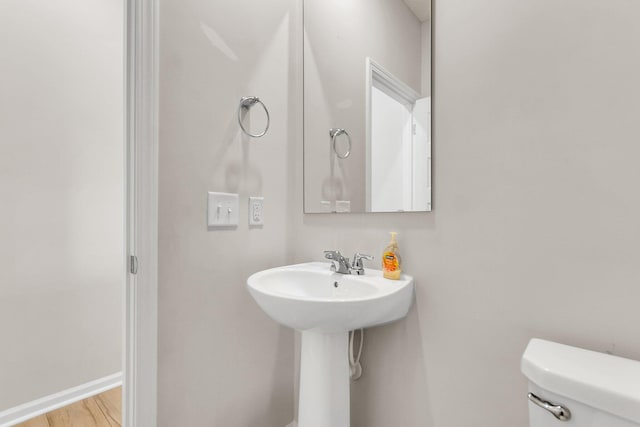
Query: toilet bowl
(572, 387)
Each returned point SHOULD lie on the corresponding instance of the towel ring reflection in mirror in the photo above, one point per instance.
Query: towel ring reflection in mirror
(334, 134)
(246, 102)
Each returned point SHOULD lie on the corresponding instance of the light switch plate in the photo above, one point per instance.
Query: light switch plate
(222, 210)
(256, 210)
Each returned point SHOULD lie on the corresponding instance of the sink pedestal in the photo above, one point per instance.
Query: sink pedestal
(324, 380)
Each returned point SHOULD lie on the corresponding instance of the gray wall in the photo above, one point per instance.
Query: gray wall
(535, 161)
(61, 182)
(535, 225)
(222, 362)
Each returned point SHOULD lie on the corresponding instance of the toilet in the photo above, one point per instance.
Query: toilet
(570, 386)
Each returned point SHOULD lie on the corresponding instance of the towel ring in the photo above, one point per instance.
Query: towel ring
(334, 134)
(246, 102)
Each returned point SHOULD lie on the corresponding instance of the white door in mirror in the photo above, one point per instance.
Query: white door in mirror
(256, 210)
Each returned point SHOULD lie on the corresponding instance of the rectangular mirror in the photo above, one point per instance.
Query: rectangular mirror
(367, 106)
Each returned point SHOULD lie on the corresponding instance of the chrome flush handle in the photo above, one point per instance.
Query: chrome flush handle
(558, 411)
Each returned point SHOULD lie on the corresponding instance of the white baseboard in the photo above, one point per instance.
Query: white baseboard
(46, 404)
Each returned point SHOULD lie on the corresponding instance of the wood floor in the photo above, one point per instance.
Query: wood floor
(103, 410)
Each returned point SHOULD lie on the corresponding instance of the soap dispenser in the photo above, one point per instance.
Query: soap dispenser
(391, 262)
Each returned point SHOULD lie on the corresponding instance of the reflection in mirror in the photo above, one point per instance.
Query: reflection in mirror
(367, 105)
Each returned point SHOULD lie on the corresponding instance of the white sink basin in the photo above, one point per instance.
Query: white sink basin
(325, 305)
(311, 296)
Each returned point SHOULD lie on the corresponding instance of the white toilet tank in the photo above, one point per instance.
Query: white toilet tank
(583, 388)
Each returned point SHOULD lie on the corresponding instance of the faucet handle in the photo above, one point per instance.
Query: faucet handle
(333, 255)
(357, 260)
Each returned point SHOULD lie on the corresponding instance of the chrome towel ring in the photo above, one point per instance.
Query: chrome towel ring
(334, 134)
(246, 102)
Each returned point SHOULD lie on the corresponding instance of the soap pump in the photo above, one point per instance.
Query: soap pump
(391, 262)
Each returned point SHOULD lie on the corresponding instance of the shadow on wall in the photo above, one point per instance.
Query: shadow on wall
(201, 280)
(258, 72)
(327, 174)
(244, 173)
(275, 399)
(387, 346)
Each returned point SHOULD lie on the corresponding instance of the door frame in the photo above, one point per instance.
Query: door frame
(141, 229)
(377, 75)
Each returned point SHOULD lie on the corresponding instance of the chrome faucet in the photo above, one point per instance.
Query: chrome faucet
(342, 265)
(356, 266)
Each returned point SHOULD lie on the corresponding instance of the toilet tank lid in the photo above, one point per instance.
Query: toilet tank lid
(605, 382)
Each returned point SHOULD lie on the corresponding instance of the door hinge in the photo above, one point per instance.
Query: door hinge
(133, 264)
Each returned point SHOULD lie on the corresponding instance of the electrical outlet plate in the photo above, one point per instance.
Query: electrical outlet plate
(222, 210)
(325, 206)
(343, 206)
(256, 210)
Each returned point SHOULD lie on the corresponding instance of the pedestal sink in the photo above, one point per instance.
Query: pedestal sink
(325, 306)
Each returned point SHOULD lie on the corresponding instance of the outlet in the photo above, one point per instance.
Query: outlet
(256, 210)
(343, 206)
(325, 206)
